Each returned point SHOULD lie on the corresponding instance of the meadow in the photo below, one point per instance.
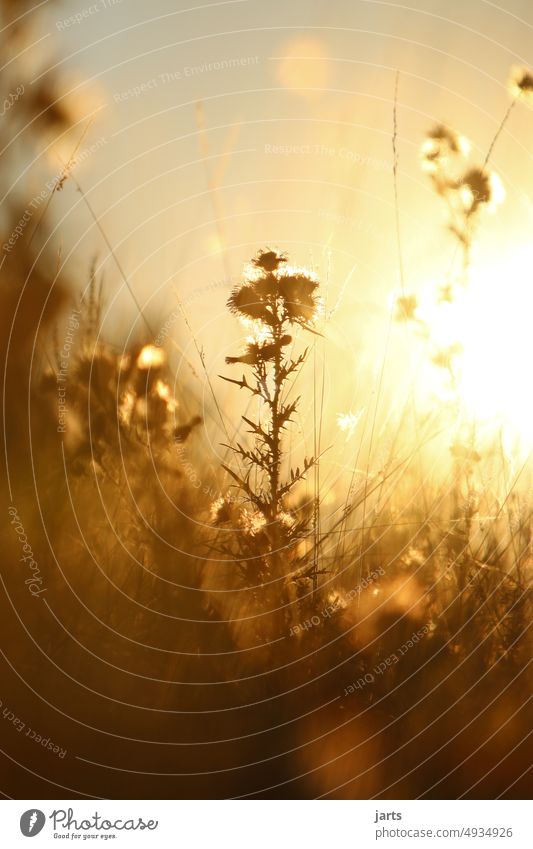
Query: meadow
(215, 584)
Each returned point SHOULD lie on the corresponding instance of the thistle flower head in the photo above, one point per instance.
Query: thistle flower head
(297, 289)
(248, 302)
(274, 291)
(268, 260)
(126, 406)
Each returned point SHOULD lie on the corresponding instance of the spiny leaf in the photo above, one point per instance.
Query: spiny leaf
(286, 412)
(253, 496)
(292, 365)
(242, 384)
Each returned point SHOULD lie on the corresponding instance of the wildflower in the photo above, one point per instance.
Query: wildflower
(252, 521)
(441, 142)
(272, 298)
(220, 511)
(304, 67)
(258, 332)
(285, 518)
(347, 422)
(497, 191)
(479, 186)
(445, 294)
(182, 432)
(272, 287)
(141, 409)
(406, 307)
(151, 357)
(269, 260)
(336, 600)
(521, 83)
(127, 403)
(297, 289)
(414, 557)
(164, 392)
(49, 104)
(246, 301)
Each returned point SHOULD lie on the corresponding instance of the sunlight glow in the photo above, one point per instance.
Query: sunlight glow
(347, 422)
(487, 331)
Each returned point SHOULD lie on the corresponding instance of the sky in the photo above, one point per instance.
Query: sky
(289, 143)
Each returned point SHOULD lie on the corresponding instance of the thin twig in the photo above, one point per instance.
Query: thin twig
(499, 132)
(66, 169)
(201, 356)
(115, 258)
(395, 159)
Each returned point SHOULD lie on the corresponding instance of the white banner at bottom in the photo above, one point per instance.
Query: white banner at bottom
(266, 824)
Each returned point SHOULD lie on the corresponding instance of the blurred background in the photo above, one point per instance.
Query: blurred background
(148, 151)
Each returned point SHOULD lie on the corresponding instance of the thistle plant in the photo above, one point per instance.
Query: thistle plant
(273, 301)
